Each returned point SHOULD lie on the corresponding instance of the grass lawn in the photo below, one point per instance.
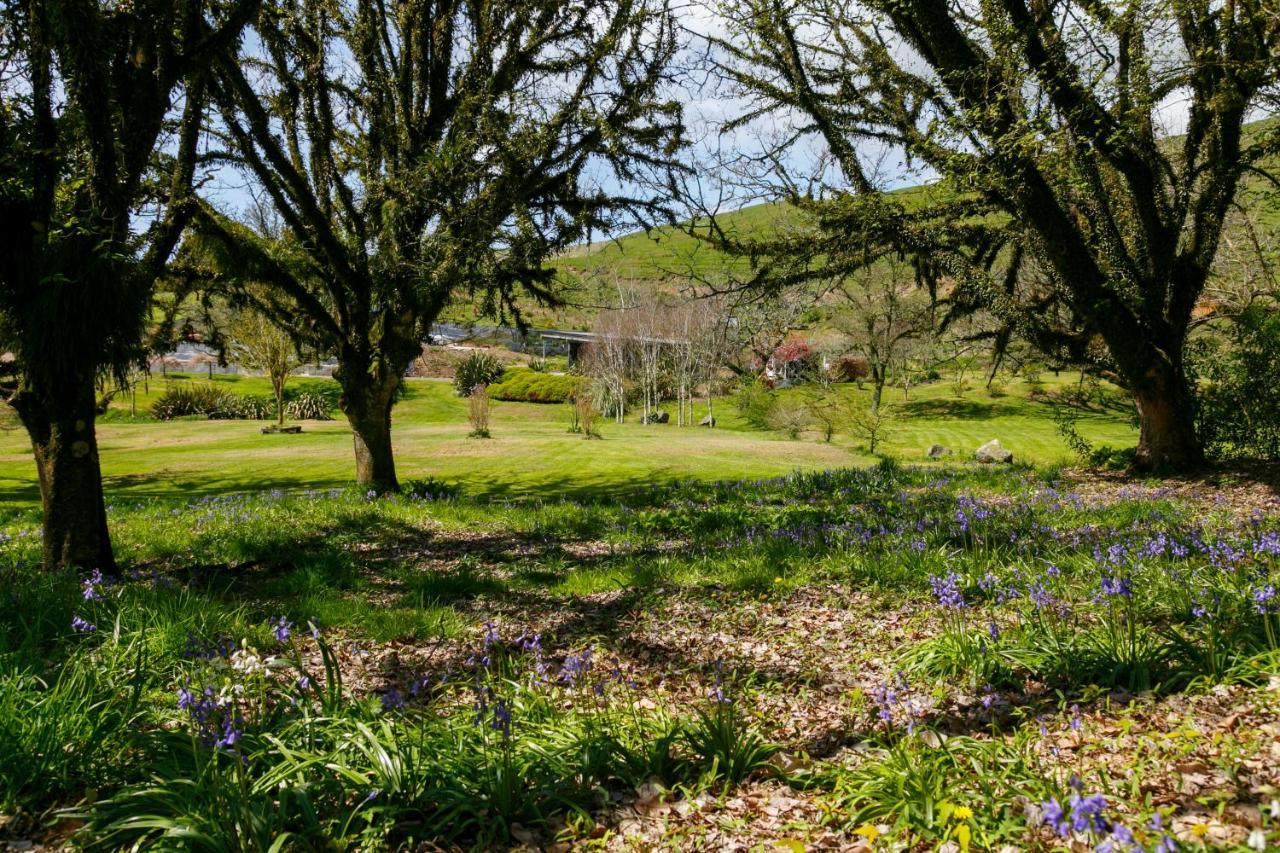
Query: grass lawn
(531, 454)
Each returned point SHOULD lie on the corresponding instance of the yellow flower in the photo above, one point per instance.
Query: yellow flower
(868, 832)
(962, 813)
(777, 580)
(1200, 830)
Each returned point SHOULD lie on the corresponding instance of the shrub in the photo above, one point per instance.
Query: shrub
(243, 407)
(1239, 412)
(188, 398)
(755, 402)
(1112, 458)
(585, 416)
(789, 416)
(477, 369)
(850, 368)
(527, 386)
(309, 406)
(204, 398)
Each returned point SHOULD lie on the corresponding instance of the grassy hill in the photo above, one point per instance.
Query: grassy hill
(668, 258)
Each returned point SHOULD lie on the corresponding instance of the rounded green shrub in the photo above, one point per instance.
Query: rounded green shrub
(527, 386)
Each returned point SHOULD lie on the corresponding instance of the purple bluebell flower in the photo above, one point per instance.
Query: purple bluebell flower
(1087, 813)
(280, 627)
(502, 718)
(1114, 586)
(947, 590)
(1054, 817)
(575, 667)
(230, 734)
(82, 626)
(1122, 835)
(392, 700)
(92, 586)
(1040, 596)
(717, 692)
(1264, 599)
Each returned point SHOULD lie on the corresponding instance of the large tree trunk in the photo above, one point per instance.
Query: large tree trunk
(66, 453)
(367, 403)
(1166, 417)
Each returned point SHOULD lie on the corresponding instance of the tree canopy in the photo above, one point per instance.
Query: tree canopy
(419, 148)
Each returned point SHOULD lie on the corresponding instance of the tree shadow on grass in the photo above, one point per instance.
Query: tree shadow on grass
(958, 409)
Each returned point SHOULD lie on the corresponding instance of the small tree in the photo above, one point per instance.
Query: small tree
(575, 418)
(829, 410)
(262, 346)
(868, 422)
(882, 312)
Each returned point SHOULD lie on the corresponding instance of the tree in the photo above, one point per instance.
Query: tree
(790, 356)
(696, 330)
(420, 148)
(881, 312)
(101, 115)
(259, 344)
(1062, 207)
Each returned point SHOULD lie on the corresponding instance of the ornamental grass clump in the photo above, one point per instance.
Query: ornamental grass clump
(478, 412)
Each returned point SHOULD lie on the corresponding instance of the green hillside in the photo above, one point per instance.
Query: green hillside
(669, 259)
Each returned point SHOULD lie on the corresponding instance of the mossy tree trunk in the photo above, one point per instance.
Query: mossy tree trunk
(367, 400)
(66, 453)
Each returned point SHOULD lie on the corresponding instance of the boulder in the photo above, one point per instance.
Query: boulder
(937, 451)
(708, 421)
(663, 417)
(993, 451)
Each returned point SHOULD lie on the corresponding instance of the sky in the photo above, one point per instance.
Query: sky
(708, 105)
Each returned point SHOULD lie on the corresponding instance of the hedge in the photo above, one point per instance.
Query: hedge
(528, 386)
